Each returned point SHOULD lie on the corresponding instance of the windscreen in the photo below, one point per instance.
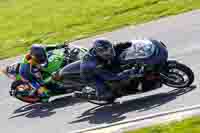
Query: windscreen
(139, 49)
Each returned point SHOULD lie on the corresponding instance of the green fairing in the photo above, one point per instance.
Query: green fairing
(55, 61)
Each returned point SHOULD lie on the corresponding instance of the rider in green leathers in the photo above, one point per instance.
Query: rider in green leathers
(39, 58)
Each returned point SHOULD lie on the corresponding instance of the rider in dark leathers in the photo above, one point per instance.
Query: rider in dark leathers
(102, 63)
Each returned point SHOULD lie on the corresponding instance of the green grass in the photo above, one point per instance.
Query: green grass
(190, 125)
(23, 22)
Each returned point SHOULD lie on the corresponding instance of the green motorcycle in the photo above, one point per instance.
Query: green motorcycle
(57, 59)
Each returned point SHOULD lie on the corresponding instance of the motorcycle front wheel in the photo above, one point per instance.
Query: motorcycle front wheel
(178, 75)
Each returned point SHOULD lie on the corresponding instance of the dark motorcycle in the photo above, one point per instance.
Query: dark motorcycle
(172, 73)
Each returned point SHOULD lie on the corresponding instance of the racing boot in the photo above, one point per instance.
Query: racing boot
(101, 93)
(86, 93)
(106, 95)
(90, 96)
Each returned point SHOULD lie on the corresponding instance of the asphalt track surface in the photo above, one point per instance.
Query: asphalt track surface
(180, 33)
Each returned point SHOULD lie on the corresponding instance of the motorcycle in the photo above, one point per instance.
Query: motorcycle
(57, 59)
(172, 73)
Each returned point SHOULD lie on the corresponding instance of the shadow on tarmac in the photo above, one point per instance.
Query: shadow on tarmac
(114, 113)
(44, 109)
(100, 114)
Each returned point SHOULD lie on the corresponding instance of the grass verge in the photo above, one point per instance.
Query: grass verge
(189, 125)
(24, 22)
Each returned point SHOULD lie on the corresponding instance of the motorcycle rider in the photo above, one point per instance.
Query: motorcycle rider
(30, 69)
(102, 62)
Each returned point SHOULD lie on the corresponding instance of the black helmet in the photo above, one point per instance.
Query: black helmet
(103, 49)
(38, 53)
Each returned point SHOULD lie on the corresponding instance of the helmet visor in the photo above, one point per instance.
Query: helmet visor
(41, 57)
(106, 53)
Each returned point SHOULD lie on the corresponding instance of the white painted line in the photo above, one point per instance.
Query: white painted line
(137, 119)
